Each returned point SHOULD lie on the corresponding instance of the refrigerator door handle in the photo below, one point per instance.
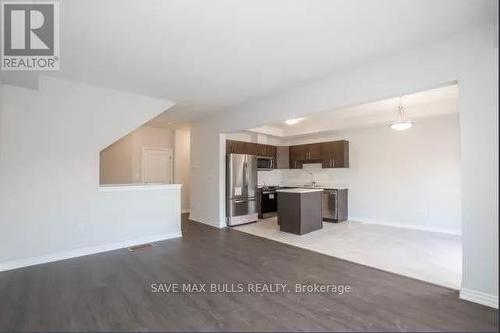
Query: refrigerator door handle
(245, 176)
(243, 200)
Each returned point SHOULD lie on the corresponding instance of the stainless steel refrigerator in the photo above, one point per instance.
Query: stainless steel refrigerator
(241, 189)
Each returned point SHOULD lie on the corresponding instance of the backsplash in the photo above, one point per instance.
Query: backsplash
(303, 176)
(272, 177)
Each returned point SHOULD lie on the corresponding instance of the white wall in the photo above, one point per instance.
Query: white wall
(116, 162)
(182, 165)
(253, 137)
(121, 162)
(50, 203)
(1, 93)
(470, 58)
(478, 109)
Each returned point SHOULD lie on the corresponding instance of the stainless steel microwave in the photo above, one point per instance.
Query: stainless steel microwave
(266, 163)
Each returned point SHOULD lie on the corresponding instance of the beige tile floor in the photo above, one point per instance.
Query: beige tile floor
(428, 256)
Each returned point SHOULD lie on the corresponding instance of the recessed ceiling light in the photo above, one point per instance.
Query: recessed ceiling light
(294, 121)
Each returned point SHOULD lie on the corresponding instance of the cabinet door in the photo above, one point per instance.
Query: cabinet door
(235, 147)
(238, 147)
(335, 154)
(241, 147)
(283, 157)
(263, 150)
(306, 149)
(302, 152)
(271, 151)
(253, 148)
(257, 149)
(314, 151)
(292, 157)
(327, 154)
(340, 154)
(297, 155)
(229, 146)
(274, 152)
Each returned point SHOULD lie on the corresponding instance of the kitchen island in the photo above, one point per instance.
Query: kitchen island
(299, 210)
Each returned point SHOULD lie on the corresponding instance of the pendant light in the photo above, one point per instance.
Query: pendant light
(401, 123)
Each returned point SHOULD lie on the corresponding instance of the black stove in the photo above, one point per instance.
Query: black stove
(268, 200)
(269, 189)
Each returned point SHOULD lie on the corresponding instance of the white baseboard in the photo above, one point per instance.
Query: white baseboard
(185, 211)
(479, 297)
(9, 265)
(200, 220)
(406, 226)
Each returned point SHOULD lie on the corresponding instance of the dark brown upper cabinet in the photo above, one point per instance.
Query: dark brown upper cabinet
(335, 154)
(282, 157)
(332, 154)
(297, 155)
(251, 148)
(236, 147)
(272, 151)
(300, 154)
(313, 152)
(266, 150)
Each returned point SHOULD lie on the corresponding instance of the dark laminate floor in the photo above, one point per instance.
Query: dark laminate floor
(112, 292)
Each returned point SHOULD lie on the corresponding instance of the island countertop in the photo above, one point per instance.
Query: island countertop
(318, 186)
(300, 190)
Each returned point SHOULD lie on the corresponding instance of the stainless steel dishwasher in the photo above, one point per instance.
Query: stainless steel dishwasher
(334, 206)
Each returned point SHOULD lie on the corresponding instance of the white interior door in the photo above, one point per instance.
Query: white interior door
(157, 165)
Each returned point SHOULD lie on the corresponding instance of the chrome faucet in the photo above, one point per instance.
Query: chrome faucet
(313, 182)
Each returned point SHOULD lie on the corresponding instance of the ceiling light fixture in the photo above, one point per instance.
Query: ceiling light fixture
(293, 121)
(401, 123)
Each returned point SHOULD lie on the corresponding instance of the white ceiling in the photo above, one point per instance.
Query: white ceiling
(209, 56)
(423, 104)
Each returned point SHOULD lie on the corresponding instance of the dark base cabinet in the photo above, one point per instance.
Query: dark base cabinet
(299, 213)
